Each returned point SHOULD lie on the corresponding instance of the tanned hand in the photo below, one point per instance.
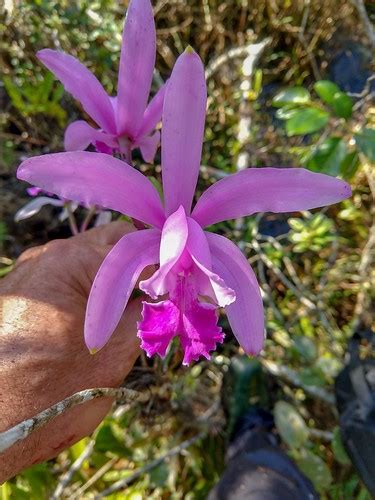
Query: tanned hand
(43, 358)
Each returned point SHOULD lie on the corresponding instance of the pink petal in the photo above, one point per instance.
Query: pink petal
(194, 322)
(152, 114)
(245, 315)
(173, 241)
(79, 135)
(197, 246)
(34, 206)
(267, 190)
(136, 66)
(114, 283)
(159, 325)
(33, 191)
(200, 333)
(182, 132)
(103, 148)
(96, 179)
(83, 86)
(149, 146)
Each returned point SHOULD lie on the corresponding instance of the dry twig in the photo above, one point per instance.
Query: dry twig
(293, 378)
(122, 483)
(27, 427)
(76, 465)
(370, 32)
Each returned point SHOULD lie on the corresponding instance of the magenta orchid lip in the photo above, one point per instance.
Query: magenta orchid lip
(200, 271)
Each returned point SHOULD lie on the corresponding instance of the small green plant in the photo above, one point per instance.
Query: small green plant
(313, 232)
(43, 98)
(330, 112)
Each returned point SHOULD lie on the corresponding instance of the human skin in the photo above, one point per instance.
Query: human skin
(43, 358)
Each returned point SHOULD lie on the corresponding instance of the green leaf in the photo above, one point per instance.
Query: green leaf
(349, 165)
(342, 105)
(305, 347)
(338, 448)
(328, 156)
(331, 94)
(5, 491)
(290, 424)
(315, 469)
(326, 90)
(306, 121)
(293, 95)
(312, 376)
(159, 475)
(14, 94)
(286, 112)
(107, 441)
(366, 142)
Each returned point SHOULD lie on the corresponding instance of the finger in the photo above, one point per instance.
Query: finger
(112, 363)
(109, 234)
(30, 253)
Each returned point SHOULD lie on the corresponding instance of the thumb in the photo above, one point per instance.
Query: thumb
(108, 234)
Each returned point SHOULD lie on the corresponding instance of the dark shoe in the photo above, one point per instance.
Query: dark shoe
(355, 396)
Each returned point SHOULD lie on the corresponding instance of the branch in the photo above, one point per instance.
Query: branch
(27, 427)
(119, 485)
(77, 495)
(252, 50)
(366, 263)
(360, 6)
(293, 378)
(76, 465)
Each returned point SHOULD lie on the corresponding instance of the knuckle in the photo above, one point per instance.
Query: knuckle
(28, 254)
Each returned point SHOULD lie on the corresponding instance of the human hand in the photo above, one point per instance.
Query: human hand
(43, 358)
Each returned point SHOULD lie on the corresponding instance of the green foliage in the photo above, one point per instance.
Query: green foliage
(331, 94)
(34, 484)
(328, 156)
(315, 469)
(3, 233)
(292, 96)
(338, 448)
(290, 424)
(317, 261)
(334, 153)
(305, 121)
(366, 142)
(311, 233)
(43, 98)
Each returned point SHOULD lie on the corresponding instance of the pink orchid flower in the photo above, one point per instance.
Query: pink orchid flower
(34, 206)
(198, 270)
(126, 121)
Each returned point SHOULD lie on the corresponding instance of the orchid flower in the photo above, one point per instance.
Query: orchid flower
(126, 121)
(198, 270)
(34, 206)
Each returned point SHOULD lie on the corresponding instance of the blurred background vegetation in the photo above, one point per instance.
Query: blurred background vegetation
(308, 102)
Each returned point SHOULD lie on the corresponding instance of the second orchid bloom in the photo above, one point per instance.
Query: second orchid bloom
(199, 271)
(126, 121)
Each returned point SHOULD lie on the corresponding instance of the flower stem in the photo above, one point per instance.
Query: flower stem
(128, 154)
(86, 221)
(72, 220)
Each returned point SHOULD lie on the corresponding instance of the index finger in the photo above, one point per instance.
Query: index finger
(109, 234)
